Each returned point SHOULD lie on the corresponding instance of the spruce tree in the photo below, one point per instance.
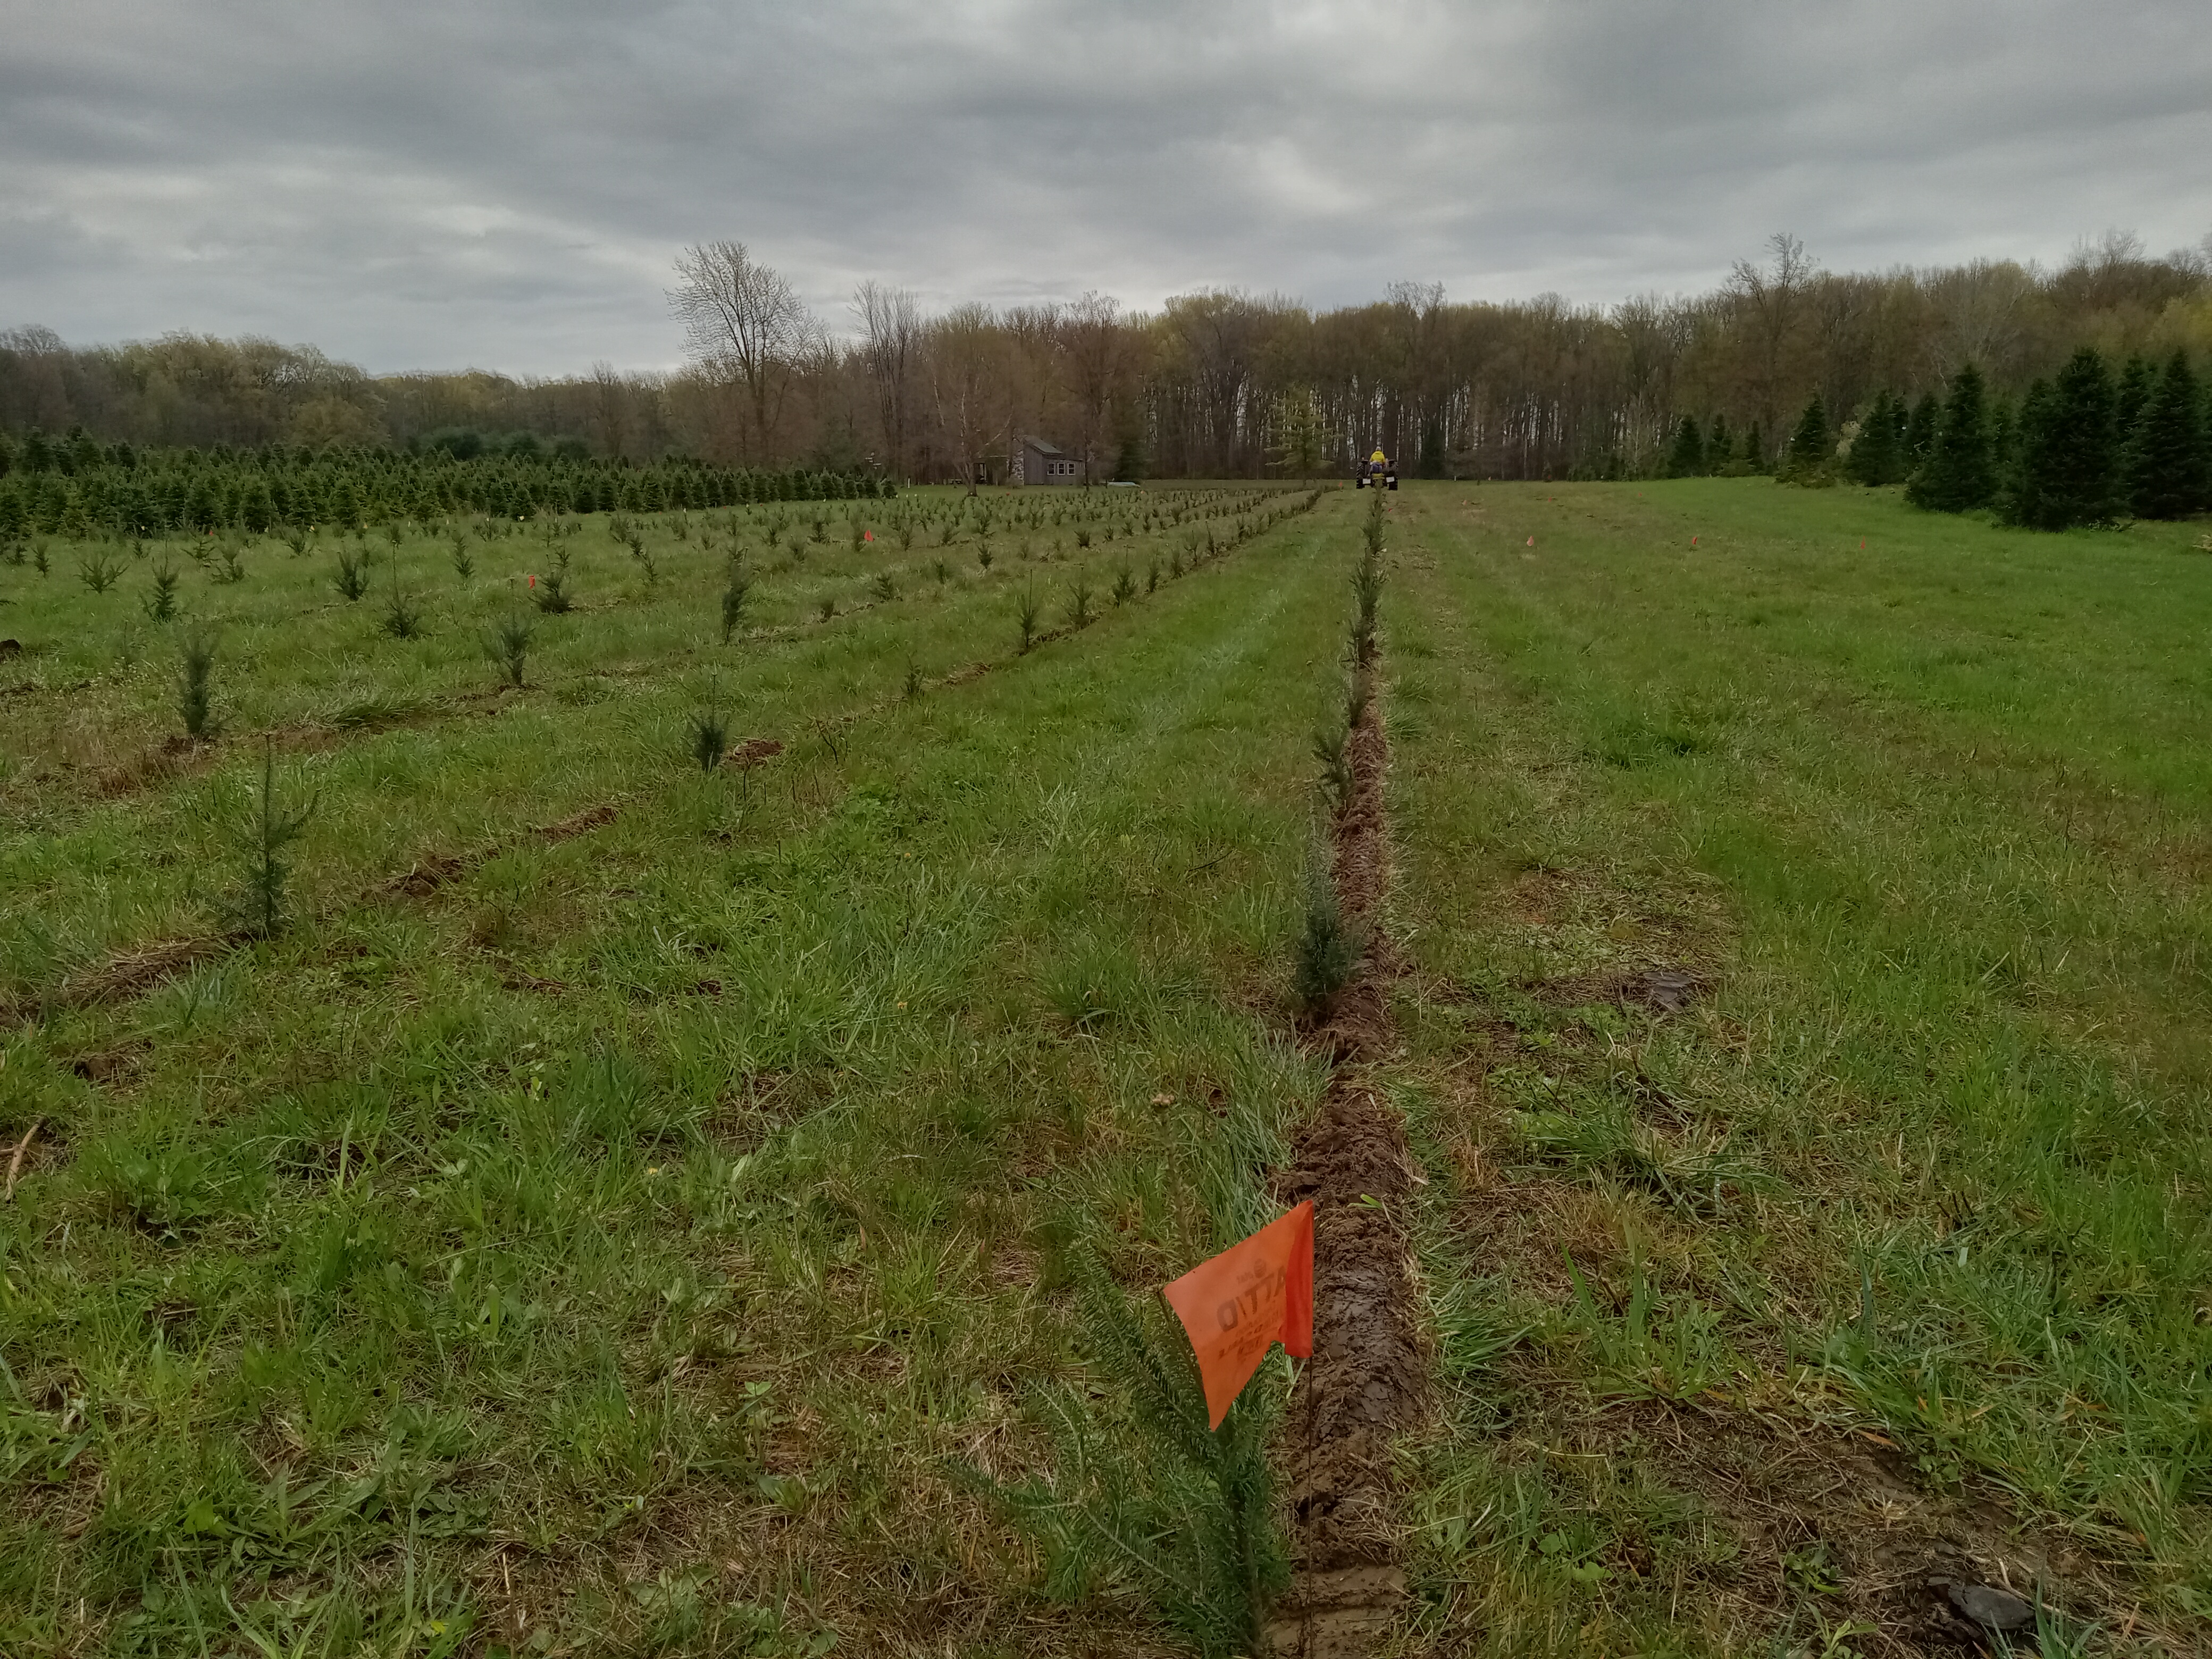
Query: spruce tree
(1807, 457)
(2068, 471)
(2022, 502)
(1720, 444)
(1957, 477)
(2168, 464)
(1874, 457)
(2133, 393)
(1754, 449)
(1920, 431)
(1688, 458)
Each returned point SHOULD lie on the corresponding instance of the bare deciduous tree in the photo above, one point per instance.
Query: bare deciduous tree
(967, 361)
(1770, 299)
(1096, 342)
(746, 324)
(891, 340)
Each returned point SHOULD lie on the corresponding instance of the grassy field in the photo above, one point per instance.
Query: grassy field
(614, 1213)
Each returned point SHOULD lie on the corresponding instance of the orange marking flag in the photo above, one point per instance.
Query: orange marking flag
(1239, 1304)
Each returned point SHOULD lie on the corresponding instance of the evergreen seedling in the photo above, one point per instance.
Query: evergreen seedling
(1079, 601)
(1327, 950)
(195, 680)
(402, 617)
(737, 590)
(464, 563)
(99, 569)
(886, 588)
(913, 686)
(1026, 617)
(507, 644)
(38, 561)
(267, 830)
(982, 558)
(551, 595)
(352, 578)
(828, 608)
(941, 570)
(708, 732)
(160, 604)
(230, 567)
(1125, 586)
(1180, 1511)
(1332, 750)
(295, 537)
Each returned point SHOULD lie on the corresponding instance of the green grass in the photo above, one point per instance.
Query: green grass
(631, 1242)
(1919, 803)
(615, 1249)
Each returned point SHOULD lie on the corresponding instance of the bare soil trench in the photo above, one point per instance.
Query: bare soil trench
(1367, 1376)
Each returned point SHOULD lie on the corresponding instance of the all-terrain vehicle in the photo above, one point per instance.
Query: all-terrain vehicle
(1379, 470)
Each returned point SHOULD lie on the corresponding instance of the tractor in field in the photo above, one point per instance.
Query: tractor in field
(1377, 472)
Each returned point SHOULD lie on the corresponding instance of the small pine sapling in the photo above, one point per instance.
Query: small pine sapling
(402, 617)
(1153, 578)
(1026, 617)
(551, 594)
(160, 604)
(1079, 601)
(265, 831)
(1329, 947)
(982, 558)
(1182, 1510)
(1331, 749)
(1125, 586)
(352, 578)
(195, 682)
(506, 643)
(913, 686)
(886, 589)
(737, 589)
(941, 570)
(228, 566)
(708, 732)
(465, 562)
(38, 560)
(828, 608)
(297, 537)
(97, 569)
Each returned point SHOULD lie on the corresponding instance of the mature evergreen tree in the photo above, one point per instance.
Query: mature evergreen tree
(2068, 471)
(1920, 431)
(1720, 444)
(1809, 451)
(2170, 461)
(1430, 462)
(1688, 458)
(2005, 441)
(1754, 449)
(1957, 477)
(2133, 393)
(1877, 458)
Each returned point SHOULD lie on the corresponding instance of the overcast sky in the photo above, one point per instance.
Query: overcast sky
(503, 182)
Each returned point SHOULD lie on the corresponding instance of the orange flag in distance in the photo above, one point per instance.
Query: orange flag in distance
(1240, 1303)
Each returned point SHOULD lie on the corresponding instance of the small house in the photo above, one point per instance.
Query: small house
(1038, 462)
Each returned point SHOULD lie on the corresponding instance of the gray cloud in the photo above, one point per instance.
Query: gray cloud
(504, 183)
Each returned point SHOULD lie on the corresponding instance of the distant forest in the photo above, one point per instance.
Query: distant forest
(1214, 384)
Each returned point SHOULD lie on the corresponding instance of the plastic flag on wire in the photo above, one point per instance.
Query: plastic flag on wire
(1245, 1300)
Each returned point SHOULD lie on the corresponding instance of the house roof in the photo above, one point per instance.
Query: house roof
(1041, 445)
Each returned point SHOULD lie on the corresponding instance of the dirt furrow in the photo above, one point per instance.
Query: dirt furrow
(1366, 1379)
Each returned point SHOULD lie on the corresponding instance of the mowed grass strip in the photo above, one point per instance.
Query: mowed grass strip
(612, 1251)
(1808, 927)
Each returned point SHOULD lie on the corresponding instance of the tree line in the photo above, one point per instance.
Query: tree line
(79, 486)
(1212, 384)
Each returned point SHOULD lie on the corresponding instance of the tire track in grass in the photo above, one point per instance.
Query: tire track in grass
(1367, 1376)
